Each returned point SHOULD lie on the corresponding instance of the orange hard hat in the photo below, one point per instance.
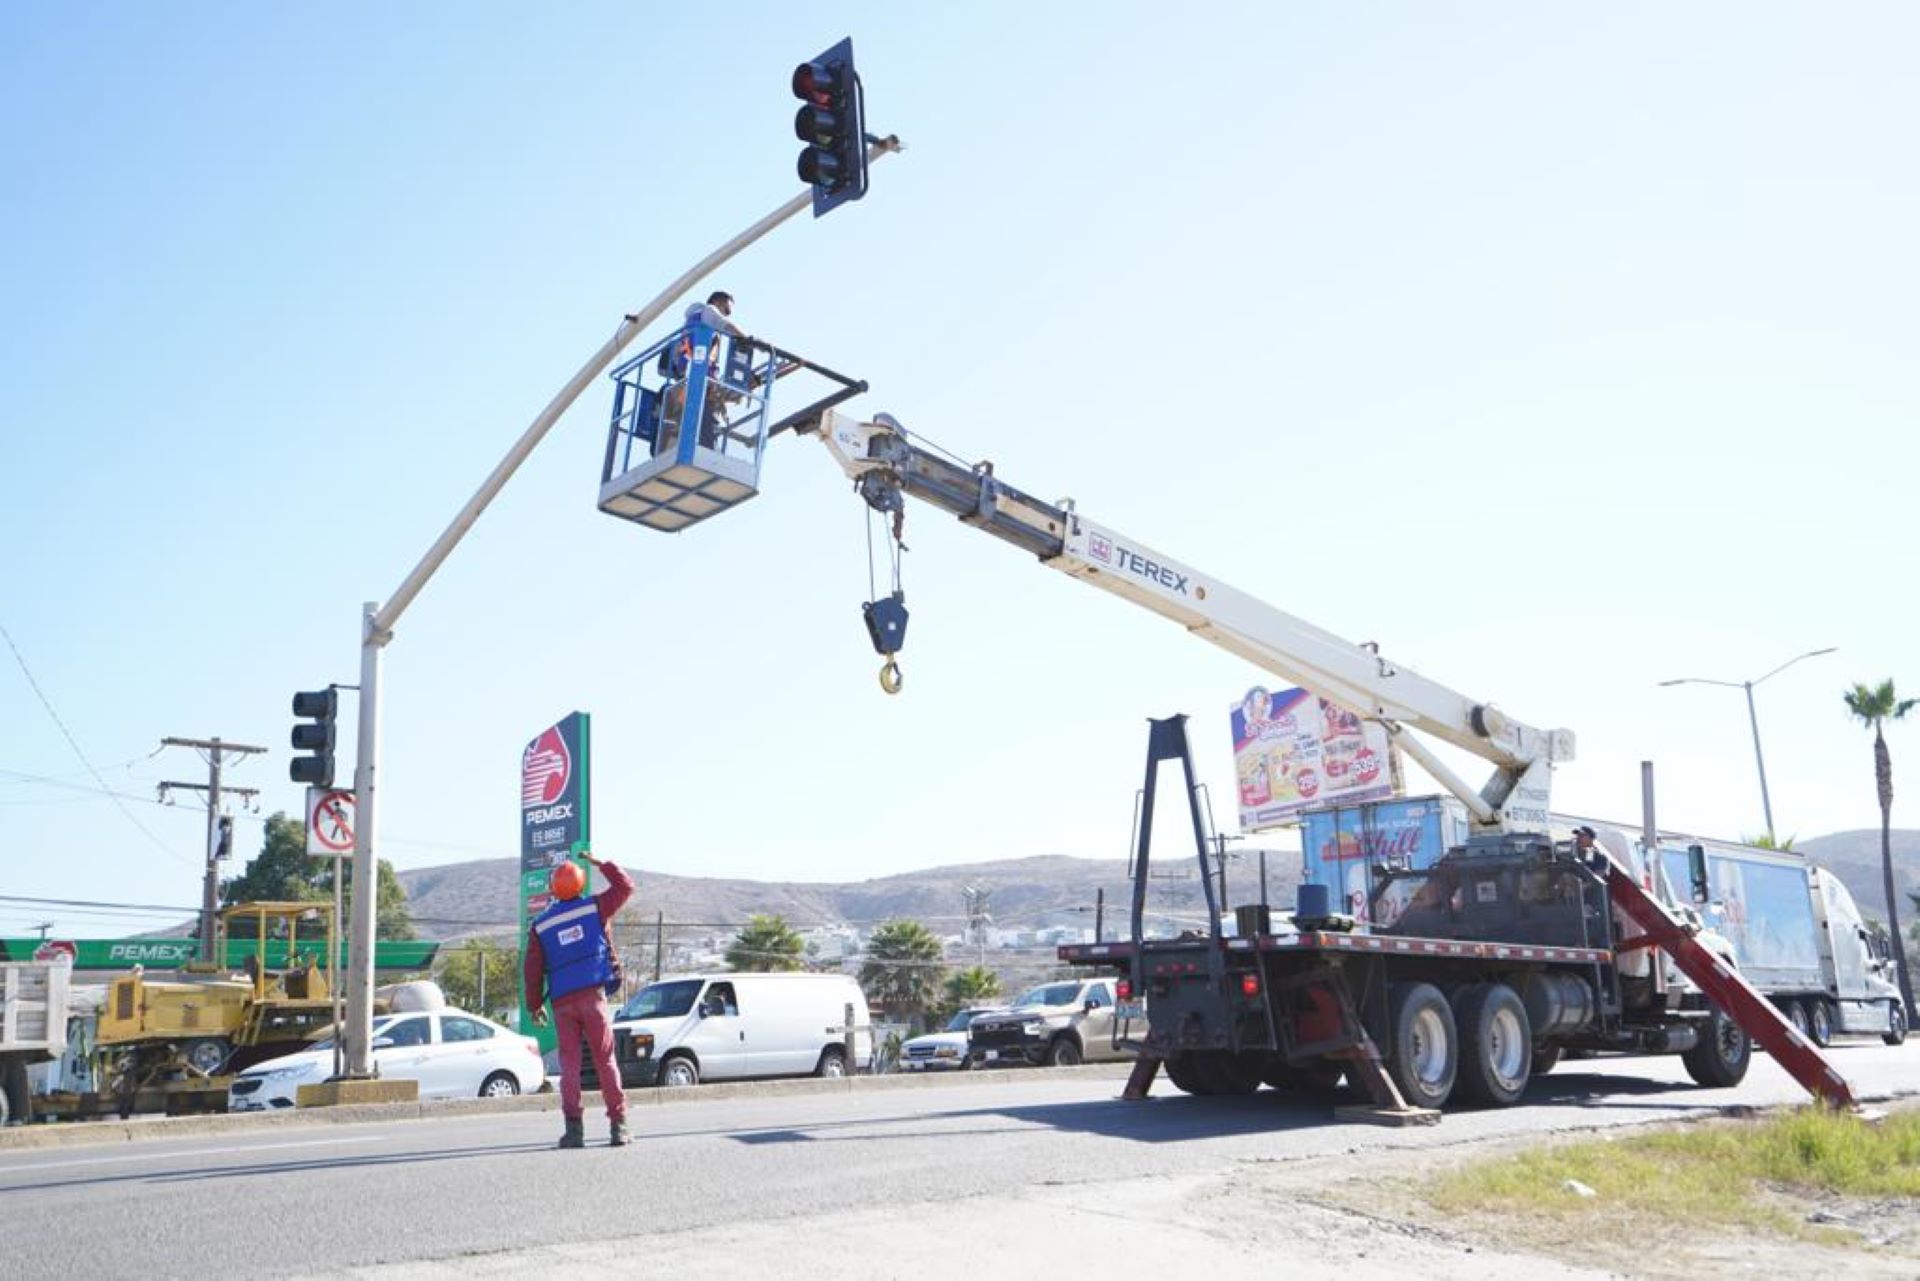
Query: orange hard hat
(567, 880)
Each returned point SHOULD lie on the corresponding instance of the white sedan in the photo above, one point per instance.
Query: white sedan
(453, 1054)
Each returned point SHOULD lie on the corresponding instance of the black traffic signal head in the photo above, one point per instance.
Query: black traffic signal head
(318, 706)
(832, 122)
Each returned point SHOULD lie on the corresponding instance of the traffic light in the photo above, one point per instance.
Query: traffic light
(832, 121)
(317, 706)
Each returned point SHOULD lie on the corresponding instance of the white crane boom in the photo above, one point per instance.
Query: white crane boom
(888, 467)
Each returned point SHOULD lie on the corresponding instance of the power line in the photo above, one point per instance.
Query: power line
(40, 694)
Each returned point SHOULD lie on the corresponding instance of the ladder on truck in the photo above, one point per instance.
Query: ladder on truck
(1753, 1013)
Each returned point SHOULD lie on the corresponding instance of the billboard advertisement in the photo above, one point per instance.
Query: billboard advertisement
(1294, 751)
(1342, 846)
(554, 823)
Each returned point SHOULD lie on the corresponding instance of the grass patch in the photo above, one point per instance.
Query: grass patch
(1718, 1173)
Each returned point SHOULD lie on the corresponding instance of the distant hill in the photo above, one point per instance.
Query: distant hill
(1854, 857)
(463, 899)
(459, 900)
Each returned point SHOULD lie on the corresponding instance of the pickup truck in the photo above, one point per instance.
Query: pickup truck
(1056, 1024)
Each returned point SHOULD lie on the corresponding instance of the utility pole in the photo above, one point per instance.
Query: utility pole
(45, 928)
(979, 916)
(1220, 840)
(219, 831)
(659, 941)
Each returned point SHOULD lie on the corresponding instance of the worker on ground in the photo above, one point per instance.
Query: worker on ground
(570, 959)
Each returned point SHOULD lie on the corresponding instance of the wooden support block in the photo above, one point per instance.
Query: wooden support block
(1370, 1114)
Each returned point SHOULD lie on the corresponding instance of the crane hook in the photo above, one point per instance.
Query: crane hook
(890, 677)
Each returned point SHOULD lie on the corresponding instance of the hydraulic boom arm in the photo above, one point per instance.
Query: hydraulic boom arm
(887, 467)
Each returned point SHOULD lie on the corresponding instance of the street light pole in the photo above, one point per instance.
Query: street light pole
(1753, 719)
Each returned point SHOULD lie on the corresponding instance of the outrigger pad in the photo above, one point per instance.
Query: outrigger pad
(1373, 1114)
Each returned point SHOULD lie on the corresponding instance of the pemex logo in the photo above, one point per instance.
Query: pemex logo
(545, 769)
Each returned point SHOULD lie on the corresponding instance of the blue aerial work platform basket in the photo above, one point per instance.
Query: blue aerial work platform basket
(690, 423)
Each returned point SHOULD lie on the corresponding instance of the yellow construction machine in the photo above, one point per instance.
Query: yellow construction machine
(177, 1035)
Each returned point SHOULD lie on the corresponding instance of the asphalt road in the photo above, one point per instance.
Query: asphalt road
(326, 1198)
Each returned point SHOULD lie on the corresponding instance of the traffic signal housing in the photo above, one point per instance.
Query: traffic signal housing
(832, 121)
(317, 707)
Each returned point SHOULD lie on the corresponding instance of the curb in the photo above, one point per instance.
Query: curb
(61, 1134)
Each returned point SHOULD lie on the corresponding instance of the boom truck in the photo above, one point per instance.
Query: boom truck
(1512, 946)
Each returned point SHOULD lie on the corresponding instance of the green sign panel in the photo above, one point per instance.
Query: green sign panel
(172, 954)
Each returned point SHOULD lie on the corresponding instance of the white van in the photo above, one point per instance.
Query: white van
(727, 1027)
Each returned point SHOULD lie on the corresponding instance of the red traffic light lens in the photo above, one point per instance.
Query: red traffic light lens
(815, 83)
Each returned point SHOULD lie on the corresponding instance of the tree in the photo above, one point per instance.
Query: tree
(1766, 842)
(283, 872)
(1873, 707)
(976, 985)
(766, 943)
(482, 976)
(902, 971)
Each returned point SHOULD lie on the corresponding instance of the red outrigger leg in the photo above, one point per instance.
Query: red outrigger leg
(1758, 1017)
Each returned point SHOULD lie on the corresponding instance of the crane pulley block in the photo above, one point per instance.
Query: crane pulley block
(887, 623)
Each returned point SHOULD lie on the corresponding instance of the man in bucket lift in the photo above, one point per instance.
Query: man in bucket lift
(716, 314)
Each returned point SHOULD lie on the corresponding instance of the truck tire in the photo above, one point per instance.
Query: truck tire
(1228, 1073)
(1319, 1079)
(1185, 1075)
(16, 1104)
(1721, 1057)
(1426, 1045)
(1796, 1012)
(833, 1062)
(1896, 1024)
(1496, 1045)
(1063, 1051)
(1546, 1057)
(1819, 1022)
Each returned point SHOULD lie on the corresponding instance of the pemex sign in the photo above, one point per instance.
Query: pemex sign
(553, 822)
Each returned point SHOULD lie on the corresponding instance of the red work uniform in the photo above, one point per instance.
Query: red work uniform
(582, 1015)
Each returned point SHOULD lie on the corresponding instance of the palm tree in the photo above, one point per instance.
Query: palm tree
(765, 944)
(973, 986)
(902, 972)
(1873, 707)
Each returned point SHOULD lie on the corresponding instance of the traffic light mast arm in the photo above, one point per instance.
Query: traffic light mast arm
(379, 619)
(887, 467)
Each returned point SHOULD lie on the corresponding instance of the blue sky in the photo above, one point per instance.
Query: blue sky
(1560, 352)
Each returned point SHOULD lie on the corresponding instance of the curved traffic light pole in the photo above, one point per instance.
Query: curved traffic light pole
(377, 620)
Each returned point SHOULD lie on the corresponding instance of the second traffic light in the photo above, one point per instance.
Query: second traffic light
(318, 707)
(832, 122)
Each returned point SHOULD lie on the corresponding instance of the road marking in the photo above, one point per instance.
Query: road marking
(163, 1156)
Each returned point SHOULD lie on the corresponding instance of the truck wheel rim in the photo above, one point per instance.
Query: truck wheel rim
(1732, 1039)
(1428, 1054)
(1506, 1048)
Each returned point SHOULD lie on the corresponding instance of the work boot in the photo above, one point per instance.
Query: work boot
(617, 1137)
(576, 1134)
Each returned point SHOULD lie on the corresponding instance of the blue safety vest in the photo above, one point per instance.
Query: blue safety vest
(574, 945)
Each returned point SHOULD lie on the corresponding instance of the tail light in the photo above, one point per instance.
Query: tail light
(1125, 988)
(1249, 985)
